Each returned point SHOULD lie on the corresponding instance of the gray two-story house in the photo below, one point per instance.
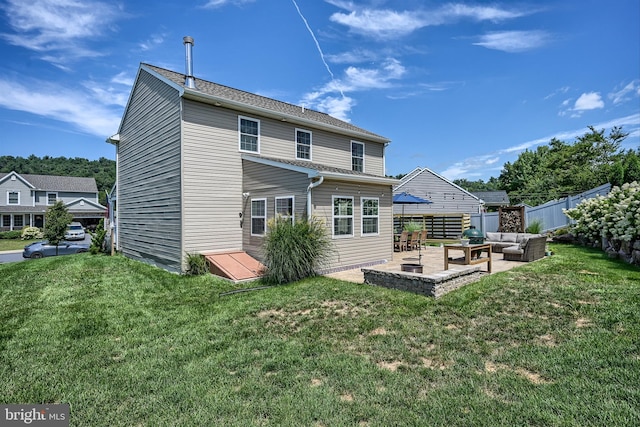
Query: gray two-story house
(202, 168)
(24, 199)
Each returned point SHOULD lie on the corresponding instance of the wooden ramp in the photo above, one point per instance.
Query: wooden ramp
(236, 265)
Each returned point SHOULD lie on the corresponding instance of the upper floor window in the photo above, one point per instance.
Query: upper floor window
(52, 198)
(284, 208)
(303, 144)
(249, 134)
(13, 197)
(370, 216)
(357, 156)
(258, 216)
(342, 216)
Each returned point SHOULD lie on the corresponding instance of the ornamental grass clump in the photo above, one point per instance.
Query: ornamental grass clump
(294, 250)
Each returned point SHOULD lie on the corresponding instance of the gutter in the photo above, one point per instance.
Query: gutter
(311, 186)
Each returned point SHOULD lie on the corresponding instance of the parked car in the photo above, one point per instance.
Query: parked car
(44, 248)
(75, 231)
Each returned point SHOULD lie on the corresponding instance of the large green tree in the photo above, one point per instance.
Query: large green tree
(560, 168)
(57, 218)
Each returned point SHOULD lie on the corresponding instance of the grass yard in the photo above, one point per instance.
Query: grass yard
(15, 244)
(555, 342)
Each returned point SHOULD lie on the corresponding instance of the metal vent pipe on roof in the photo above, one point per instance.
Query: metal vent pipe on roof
(189, 81)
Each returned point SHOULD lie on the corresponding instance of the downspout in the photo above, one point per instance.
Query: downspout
(311, 186)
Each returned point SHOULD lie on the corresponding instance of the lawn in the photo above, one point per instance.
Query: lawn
(14, 244)
(554, 342)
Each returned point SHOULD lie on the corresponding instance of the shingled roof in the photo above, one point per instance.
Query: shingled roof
(261, 102)
(493, 198)
(59, 183)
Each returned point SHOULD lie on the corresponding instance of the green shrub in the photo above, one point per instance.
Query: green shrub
(15, 234)
(534, 227)
(98, 240)
(197, 264)
(294, 250)
(30, 233)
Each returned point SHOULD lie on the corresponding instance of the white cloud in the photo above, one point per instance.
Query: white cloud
(123, 78)
(58, 25)
(153, 41)
(387, 23)
(353, 57)
(589, 101)
(212, 4)
(626, 93)
(85, 112)
(513, 41)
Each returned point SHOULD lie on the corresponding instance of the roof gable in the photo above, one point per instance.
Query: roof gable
(425, 172)
(56, 183)
(225, 96)
(15, 175)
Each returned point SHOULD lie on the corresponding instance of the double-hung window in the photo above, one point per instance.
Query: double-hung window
(370, 216)
(18, 220)
(249, 134)
(258, 217)
(342, 216)
(303, 144)
(284, 208)
(357, 156)
(13, 197)
(52, 198)
(6, 220)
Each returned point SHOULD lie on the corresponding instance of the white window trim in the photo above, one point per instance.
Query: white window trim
(293, 207)
(47, 196)
(310, 144)
(13, 191)
(333, 217)
(256, 216)
(240, 135)
(363, 155)
(363, 216)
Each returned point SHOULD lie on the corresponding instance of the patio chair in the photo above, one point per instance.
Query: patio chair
(423, 236)
(415, 240)
(401, 245)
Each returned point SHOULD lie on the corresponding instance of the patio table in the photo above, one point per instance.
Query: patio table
(468, 251)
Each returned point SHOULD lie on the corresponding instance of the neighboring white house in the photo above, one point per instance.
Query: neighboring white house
(444, 195)
(203, 167)
(24, 199)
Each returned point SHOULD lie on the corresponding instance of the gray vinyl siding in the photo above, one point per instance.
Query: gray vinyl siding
(446, 197)
(356, 250)
(277, 139)
(267, 182)
(212, 174)
(149, 210)
(26, 197)
(64, 196)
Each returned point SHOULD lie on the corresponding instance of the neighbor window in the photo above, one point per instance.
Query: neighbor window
(6, 220)
(13, 197)
(342, 216)
(18, 221)
(303, 144)
(258, 216)
(284, 207)
(52, 198)
(357, 156)
(370, 216)
(249, 134)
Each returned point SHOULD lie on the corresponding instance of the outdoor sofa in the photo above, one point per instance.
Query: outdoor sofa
(527, 250)
(499, 241)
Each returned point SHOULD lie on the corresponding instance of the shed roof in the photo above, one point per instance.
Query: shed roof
(493, 198)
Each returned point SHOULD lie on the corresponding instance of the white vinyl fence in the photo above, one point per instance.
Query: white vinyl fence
(550, 214)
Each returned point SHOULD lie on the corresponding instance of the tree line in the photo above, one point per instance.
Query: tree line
(559, 168)
(103, 169)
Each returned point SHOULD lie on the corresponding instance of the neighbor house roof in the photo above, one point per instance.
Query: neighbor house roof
(225, 96)
(56, 183)
(493, 198)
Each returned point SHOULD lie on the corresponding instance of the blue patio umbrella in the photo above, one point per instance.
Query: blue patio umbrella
(405, 198)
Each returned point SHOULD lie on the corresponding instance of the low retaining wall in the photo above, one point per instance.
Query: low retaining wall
(432, 285)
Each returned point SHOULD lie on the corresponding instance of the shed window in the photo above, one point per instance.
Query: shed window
(342, 216)
(249, 134)
(303, 144)
(13, 197)
(357, 156)
(258, 216)
(284, 207)
(370, 217)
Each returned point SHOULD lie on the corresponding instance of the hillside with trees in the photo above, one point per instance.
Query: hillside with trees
(560, 169)
(103, 169)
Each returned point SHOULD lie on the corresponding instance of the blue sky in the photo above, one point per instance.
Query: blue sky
(459, 87)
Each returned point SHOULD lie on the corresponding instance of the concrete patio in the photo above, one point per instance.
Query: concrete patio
(432, 261)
